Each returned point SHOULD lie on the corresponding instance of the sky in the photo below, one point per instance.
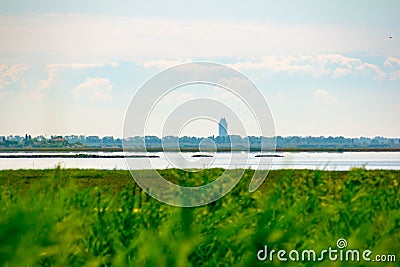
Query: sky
(325, 68)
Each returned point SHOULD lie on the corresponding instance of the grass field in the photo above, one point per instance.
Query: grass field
(62, 217)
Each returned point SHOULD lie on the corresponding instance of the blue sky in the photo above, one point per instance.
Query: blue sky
(325, 68)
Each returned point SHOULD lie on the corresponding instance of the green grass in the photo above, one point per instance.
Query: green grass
(61, 217)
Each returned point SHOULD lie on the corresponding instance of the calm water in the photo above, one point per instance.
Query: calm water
(290, 160)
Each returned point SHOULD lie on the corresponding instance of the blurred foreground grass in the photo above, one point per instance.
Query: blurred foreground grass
(64, 217)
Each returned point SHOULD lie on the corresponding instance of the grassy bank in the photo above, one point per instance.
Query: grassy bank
(102, 218)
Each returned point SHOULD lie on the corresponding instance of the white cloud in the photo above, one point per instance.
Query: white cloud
(340, 60)
(96, 88)
(334, 65)
(49, 81)
(3, 84)
(395, 75)
(339, 72)
(12, 74)
(324, 95)
(234, 83)
(394, 64)
(368, 69)
(391, 61)
(301, 65)
(53, 69)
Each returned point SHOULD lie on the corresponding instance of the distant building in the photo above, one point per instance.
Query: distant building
(93, 139)
(107, 140)
(223, 127)
(15, 138)
(58, 138)
(40, 138)
(2, 139)
(72, 139)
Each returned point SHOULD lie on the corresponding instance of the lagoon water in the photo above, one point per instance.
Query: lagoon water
(289, 160)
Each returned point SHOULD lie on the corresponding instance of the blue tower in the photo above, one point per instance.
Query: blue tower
(223, 127)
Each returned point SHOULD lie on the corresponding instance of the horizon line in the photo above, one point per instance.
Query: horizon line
(191, 136)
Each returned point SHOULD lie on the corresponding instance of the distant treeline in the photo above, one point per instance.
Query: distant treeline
(189, 142)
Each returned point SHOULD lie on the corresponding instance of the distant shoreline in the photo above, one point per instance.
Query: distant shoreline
(81, 156)
(88, 149)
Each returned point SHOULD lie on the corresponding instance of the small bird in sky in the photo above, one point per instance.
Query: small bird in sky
(390, 37)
